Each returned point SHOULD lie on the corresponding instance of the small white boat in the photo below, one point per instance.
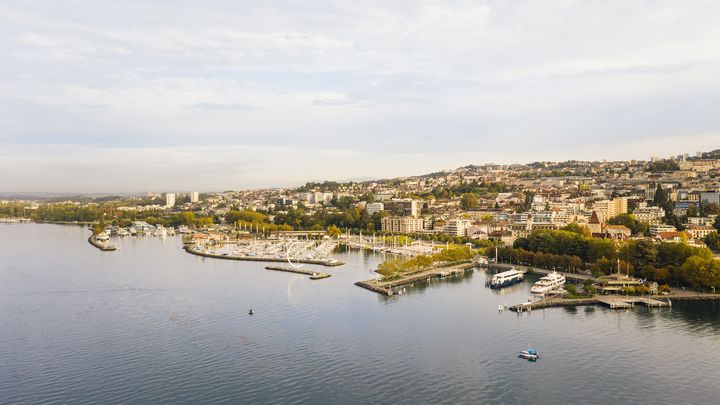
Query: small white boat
(529, 354)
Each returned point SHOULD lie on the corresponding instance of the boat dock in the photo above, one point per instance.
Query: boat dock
(314, 275)
(629, 302)
(613, 302)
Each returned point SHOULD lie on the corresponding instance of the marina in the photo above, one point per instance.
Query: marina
(291, 251)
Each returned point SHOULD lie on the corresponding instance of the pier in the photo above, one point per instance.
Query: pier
(386, 287)
(615, 302)
(619, 302)
(314, 275)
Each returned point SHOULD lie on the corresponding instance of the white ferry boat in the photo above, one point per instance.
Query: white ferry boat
(506, 278)
(548, 283)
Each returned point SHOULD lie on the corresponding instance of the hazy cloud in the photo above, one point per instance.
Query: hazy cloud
(334, 89)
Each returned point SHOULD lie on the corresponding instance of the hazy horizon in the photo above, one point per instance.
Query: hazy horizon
(107, 97)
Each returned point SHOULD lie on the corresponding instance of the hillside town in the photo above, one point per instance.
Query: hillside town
(673, 199)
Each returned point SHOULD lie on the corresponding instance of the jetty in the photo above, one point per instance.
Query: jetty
(326, 263)
(314, 275)
(386, 287)
(105, 247)
(619, 301)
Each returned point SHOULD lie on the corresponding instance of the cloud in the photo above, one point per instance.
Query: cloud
(421, 82)
(222, 106)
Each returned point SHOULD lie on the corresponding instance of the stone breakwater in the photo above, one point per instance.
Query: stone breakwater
(314, 275)
(102, 246)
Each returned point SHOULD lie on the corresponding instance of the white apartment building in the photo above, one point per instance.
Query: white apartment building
(650, 215)
(372, 208)
(658, 228)
(170, 200)
(703, 221)
(194, 196)
(402, 224)
(457, 227)
(699, 231)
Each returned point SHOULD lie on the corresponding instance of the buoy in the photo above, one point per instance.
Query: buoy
(251, 312)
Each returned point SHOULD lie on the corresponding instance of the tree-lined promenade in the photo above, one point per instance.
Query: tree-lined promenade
(666, 262)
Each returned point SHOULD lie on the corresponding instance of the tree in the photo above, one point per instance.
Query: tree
(712, 209)
(712, 240)
(660, 196)
(629, 221)
(576, 228)
(468, 201)
(702, 272)
(334, 231)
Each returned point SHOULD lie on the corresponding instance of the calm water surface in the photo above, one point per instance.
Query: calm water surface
(150, 323)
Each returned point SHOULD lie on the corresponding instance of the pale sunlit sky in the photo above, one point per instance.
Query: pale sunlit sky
(125, 96)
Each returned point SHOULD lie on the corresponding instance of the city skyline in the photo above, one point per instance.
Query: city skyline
(105, 97)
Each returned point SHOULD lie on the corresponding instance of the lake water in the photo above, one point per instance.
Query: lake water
(150, 323)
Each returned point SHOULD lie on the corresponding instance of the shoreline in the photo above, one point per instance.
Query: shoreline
(260, 259)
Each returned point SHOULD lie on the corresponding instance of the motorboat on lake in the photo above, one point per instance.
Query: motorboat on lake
(529, 354)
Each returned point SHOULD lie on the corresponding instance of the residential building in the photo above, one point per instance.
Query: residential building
(372, 208)
(607, 209)
(194, 196)
(457, 227)
(405, 207)
(699, 231)
(650, 215)
(402, 224)
(170, 200)
(656, 229)
(710, 197)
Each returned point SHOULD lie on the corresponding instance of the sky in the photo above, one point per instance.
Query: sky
(131, 96)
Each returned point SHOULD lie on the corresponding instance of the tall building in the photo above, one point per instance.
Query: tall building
(170, 200)
(405, 207)
(194, 196)
(607, 209)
